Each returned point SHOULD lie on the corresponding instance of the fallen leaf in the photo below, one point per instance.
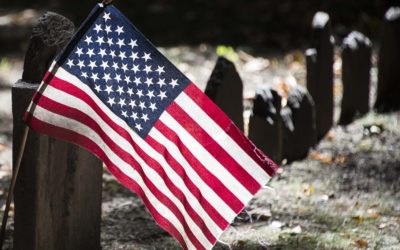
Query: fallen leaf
(337, 89)
(373, 216)
(360, 243)
(341, 159)
(313, 155)
(330, 135)
(323, 158)
(326, 159)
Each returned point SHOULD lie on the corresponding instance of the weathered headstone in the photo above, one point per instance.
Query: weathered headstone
(356, 66)
(225, 88)
(58, 190)
(298, 120)
(388, 92)
(49, 36)
(265, 125)
(320, 72)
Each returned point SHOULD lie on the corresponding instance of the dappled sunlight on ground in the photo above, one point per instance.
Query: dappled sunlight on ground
(344, 195)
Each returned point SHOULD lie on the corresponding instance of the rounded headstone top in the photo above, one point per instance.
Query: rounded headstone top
(393, 13)
(49, 36)
(296, 96)
(53, 29)
(267, 101)
(223, 69)
(354, 39)
(320, 20)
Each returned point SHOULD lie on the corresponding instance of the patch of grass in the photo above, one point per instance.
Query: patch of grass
(325, 241)
(290, 241)
(332, 222)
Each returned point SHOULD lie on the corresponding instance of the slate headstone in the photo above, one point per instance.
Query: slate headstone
(356, 66)
(320, 72)
(265, 128)
(225, 88)
(59, 187)
(298, 120)
(388, 92)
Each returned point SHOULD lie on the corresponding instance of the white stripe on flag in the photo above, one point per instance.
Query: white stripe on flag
(207, 159)
(74, 102)
(220, 205)
(70, 124)
(205, 190)
(223, 139)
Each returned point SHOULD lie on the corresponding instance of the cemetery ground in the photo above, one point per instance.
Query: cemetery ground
(344, 195)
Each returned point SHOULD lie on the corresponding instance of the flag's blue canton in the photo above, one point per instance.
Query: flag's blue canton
(125, 71)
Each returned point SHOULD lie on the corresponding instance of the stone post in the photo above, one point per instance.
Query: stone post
(356, 66)
(320, 72)
(298, 119)
(225, 88)
(388, 92)
(265, 125)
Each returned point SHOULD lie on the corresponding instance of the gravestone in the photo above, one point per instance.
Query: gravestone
(265, 125)
(388, 92)
(320, 72)
(225, 88)
(51, 33)
(356, 66)
(58, 189)
(298, 120)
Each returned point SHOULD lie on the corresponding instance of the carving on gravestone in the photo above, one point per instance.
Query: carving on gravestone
(299, 129)
(320, 72)
(265, 122)
(388, 92)
(356, 65)
(49, 36)
(225, 88)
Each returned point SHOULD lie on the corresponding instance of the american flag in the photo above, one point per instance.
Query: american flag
(112, 92)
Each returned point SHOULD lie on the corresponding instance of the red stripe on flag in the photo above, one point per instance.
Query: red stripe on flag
(73, 137)
(213, 148)
(214, 214)
(73, 90)
(227, 125)
(214, 183)
(77, 115)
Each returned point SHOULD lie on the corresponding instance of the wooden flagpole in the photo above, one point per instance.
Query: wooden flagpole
(12, 186)
(107, 2)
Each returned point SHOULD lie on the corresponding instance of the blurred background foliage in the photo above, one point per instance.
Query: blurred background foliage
(279, 24)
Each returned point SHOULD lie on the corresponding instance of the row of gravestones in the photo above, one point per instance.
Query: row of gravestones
(281, 132)
(289, 131)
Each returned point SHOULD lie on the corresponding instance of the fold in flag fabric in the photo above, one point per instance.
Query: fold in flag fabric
(112, 92)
